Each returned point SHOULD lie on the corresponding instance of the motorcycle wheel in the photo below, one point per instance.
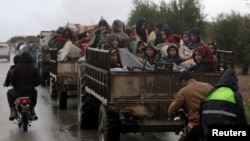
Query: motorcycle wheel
(25, 122)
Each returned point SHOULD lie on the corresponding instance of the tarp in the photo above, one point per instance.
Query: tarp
(129, 59)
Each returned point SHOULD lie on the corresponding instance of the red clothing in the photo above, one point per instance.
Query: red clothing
(173, 38)
(207, 56)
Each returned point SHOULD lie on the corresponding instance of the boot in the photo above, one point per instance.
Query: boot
(33, 113)
(13, 113)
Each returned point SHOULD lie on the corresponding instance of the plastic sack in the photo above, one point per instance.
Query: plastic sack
(69, 50)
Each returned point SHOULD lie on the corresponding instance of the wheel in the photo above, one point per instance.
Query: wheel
(108, 125)
(25, 122)
(53, 90)
(43, 81)
(63, 100)
(88, 105)
(88, 112)
(45, 78)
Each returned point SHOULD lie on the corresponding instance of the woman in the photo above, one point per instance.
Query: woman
(204, 60)
(140, 30)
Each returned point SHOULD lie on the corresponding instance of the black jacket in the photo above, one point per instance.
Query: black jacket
(7, 80)
(221, 111)
(25, 76)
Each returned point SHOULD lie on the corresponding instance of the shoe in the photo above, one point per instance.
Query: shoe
(13, 114)
(33, 113)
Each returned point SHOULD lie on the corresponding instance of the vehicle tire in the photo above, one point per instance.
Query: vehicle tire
(47, 79)
(88, 106)
(25, 122)
(88, 112)
(43, 81)
(108, 125)
(63, 100)
(53, 90)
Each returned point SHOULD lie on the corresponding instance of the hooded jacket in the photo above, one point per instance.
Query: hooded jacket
(196, 31)
(141, 34)
(223, 105)
(25, 76)
(135, 48)
(173, 59)
(118, 29)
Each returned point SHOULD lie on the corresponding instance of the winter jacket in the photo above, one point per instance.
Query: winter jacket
(223, 105)
(118, 29)
(196, 31)
(189, 98)
(7, 80)
(173, 59)
(135, 49)
(25, 76)
(141, 34)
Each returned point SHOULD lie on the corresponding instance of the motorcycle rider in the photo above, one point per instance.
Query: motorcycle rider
(16, 61)
(189, 98)
(25, 77)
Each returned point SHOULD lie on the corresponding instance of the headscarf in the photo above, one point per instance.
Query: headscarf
(205, 53)
(141, 32)
(160, 25)
(206, 56)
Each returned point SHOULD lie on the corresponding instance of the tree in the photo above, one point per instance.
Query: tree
(179, 15)
(143, 8)
(231, 31)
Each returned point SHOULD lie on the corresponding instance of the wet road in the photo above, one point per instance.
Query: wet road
(55, 124)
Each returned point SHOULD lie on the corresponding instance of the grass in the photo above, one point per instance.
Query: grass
(247, 109)
(244, 85)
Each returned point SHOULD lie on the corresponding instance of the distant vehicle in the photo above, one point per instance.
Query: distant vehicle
(4, 51)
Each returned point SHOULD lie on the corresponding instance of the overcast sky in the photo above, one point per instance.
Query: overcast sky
(29, 17)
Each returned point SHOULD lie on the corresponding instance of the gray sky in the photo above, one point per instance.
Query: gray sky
(29, 17)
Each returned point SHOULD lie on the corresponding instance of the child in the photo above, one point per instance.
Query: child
(137, 49)
(112, 42)
(115, 59)
(102, 45)
(132, 39)
(212, 46)
(173, 55)
(186, 39)
(150, 53)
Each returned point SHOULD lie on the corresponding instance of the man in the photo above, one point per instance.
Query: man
(16, 60)
(223, 105)
(189, 98)
(25, 78)
(196, 38)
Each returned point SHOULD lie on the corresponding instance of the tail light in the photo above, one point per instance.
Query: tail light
(24, 101)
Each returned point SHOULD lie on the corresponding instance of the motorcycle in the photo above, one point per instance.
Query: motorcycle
(183, 117)
(24, 117)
